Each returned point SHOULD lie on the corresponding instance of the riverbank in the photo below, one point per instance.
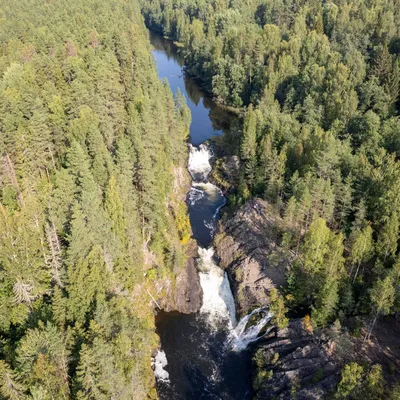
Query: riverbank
(203, 353)
(238, 112)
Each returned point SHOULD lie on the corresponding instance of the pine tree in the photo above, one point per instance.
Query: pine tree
(383, 64)
(59, 308)
(87, 284)
(361, 249)
(98, 373)
(43, 362)
(393, 83)
(388, 237)
(248, 146)
(10, 388)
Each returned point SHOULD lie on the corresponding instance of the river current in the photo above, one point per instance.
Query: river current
(203, 355)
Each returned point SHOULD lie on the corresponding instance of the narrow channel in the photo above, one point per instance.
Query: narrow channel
(203, 355)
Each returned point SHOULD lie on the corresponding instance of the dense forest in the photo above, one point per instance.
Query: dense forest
(319, 84)
(89, 216)
(320, 135)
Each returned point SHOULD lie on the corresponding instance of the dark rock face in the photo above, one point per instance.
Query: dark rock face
(246, 244)
(296, 361)
(188, 290)
(184, 293)
(185, 296)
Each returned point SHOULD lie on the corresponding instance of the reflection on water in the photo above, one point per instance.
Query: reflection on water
(207, 118)
(199, 362)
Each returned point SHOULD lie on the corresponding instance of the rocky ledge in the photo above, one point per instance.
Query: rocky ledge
(297, 364)
(293, 362)
(185, 295)
(248, 248)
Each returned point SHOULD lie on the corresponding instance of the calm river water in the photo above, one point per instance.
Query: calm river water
(200, 361)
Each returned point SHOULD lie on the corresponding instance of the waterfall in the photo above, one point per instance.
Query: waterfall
(160, 361)
(242, 335)
(205, 350)
(200, 189)
(199, 162)
(218, 304)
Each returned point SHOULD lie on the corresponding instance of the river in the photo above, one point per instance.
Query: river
(202, 355)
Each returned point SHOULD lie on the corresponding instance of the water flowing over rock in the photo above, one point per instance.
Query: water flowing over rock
(199, 162)
(218, 303)
(248, 248)
(243, 335)
(205, 357)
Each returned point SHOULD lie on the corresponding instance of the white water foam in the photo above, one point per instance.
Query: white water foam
(242, 335)
(219, 306)
(160, 361)
(213, 192)
(199, 162)
(218, 303)
(195, 195)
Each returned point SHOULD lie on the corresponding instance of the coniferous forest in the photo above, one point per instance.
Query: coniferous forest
(91, 215)
(89, 218)
(318, 83)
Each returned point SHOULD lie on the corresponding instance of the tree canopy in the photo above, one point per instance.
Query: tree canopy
(90, 140)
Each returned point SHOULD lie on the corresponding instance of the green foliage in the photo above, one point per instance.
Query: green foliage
(278, 309)
(351, 380)
(356, 383)
(10, 388)
(89, 141)
(314, 278)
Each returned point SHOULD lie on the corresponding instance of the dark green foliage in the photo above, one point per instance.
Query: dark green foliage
(320, 139)
(89, 141)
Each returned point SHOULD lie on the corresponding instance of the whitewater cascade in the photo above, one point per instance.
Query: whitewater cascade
(243, 335)
(205, 350)
(218, 303)
(199, 162)
(160, 361)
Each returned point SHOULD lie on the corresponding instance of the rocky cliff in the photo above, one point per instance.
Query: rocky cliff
(183, 293)
(247, 245)
(297, 364)
(292, 361)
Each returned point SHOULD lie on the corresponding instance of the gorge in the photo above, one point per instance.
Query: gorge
(203, 355)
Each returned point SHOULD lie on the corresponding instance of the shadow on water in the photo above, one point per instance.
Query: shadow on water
(208, 119)
(201, 366)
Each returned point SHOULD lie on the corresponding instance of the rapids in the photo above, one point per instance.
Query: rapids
(203, 355)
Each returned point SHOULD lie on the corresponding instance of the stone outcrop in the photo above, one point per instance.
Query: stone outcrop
(296, 361)
(247, 245)
(188, 294)
(185, 294)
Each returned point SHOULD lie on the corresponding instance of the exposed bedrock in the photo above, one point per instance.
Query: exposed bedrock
(297, 364)
(247, 245)
(184, 294)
